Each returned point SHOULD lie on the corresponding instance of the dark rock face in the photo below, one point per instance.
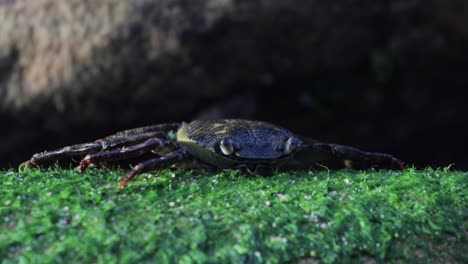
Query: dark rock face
(87, 56)
(88, 68)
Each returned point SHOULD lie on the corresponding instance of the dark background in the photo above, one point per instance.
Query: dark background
(384, 76)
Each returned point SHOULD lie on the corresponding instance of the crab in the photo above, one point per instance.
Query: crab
(215, 144)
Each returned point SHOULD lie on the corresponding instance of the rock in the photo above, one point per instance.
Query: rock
(88, 57)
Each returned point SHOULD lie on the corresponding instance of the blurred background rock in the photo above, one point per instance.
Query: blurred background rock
(387, 76)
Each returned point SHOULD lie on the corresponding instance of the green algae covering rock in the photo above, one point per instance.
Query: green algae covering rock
(180, 216)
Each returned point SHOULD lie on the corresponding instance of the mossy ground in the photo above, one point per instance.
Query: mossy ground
(58, 215)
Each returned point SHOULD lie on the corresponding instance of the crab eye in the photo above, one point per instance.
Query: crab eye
(226, 147)
(290, 145)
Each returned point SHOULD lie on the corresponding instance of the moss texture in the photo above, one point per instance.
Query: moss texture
(179, 216)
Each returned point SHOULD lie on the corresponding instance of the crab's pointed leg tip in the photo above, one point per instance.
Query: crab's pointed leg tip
(84, 164)
(122, 185)
(23, 166)
(26, 165)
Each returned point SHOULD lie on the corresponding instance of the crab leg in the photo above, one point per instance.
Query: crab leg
(50, 156)
(152, 144)
(88, 148)
(143, 130)
(354, 157)
(151, 164)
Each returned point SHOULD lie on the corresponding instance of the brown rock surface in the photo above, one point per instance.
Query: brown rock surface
(89, 56)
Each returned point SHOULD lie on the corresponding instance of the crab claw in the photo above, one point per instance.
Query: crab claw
(391, 163)
(397, 164)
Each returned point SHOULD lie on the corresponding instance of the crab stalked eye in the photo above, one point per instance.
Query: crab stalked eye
(290, 145)
(226, 147)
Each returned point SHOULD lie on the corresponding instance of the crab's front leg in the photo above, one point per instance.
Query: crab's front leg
(58, 154)
(124, 138)
(164, 128)
(47, 157)
(156, 145)
(162, 162)
(358, 159)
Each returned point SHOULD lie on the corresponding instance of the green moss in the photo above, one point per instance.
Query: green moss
(191, 216)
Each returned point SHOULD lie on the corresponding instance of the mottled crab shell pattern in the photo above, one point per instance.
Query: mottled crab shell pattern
(253, 142)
